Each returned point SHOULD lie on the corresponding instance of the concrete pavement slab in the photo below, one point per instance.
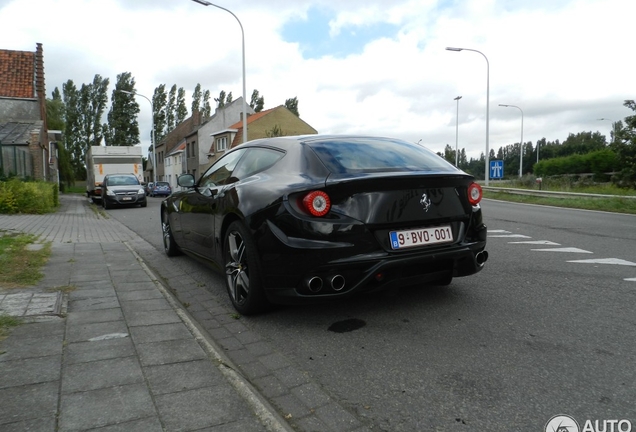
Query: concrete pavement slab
(106, 406)
(124, 355)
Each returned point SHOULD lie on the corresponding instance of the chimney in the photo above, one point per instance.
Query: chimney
(39, 82)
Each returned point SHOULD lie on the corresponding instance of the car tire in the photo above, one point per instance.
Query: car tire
(105, 204)
(242, 271)
(144, 204)
(170, 247)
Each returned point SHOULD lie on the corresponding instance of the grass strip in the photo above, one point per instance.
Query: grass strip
(20, 266)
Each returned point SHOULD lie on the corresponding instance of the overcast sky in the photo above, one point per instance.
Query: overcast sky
(376, 67)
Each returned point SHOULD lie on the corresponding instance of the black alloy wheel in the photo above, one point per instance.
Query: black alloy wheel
(242, 271)
(169, 245)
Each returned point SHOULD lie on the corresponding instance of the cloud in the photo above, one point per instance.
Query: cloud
(360, 66)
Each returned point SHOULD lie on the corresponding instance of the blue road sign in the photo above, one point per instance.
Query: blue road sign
(496, 169)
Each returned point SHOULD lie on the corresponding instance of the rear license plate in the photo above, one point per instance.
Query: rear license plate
(420, 237)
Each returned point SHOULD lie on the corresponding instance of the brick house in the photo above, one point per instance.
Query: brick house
(27, 148)
(196, 131)
(277, 121)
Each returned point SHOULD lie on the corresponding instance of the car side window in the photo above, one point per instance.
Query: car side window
(256, 159)
(219, 173)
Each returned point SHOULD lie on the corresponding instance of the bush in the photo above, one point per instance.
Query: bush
(597, 163)
(626, 178)
(34, 197)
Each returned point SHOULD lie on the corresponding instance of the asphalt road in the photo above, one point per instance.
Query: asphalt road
(548, 327)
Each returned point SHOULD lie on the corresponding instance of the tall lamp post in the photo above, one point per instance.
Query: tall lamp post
(152, 133)
(207, 3)
(457, 132)
(486, 169)
(521, 142)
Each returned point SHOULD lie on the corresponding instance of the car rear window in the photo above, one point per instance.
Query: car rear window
(355, 155)
(123, 180)
(163, 184)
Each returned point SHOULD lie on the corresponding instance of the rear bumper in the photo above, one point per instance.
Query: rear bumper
(122, 201)
(294, 275)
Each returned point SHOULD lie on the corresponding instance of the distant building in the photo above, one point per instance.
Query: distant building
(27, 148)
(277, 121)
(198, 142)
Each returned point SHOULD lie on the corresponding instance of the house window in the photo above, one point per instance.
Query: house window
(221, 144)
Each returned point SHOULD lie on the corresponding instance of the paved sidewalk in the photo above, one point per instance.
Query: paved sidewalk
(104, 347)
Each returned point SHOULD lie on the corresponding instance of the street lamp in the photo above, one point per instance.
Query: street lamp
(457, 131)
(207, 3)
(521, 142)
(486, 169)
(152, 133)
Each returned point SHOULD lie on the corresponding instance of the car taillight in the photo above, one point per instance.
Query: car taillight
(317, 203)
(474, 194)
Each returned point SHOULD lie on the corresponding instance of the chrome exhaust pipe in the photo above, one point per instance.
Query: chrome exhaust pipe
(314, 284)
(337, 282)
(481, 258)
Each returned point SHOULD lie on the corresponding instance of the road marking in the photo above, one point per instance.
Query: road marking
(510, 236)
(567, 249)
(630, 279)
(537, 242)
(615, 261)
(498, 231)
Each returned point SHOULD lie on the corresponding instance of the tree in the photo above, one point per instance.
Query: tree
(207, 109)
(617, 127)
(65, 166)
(181, 110)
(292, 105)
(122, 128)
(275, 131)
(625, 148)
(93, 101)
(463, 163)
(159, 102)
(449, 154)
(55, 111)
(229, 98)
(171, 109)
(220, 101)
(257, 102)
(196, 98)
(72, 139)
(56, 120)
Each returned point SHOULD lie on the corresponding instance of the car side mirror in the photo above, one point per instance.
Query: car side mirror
(186, 180)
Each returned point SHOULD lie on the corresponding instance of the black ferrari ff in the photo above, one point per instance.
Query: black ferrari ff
(318, 217)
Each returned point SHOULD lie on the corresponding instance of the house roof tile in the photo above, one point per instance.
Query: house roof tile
(17, 74)
(252, 118)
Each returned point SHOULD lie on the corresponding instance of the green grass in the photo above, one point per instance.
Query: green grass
(76, 189)
(6, 322)
(20, 267)
(584, 185)
(616, 205)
